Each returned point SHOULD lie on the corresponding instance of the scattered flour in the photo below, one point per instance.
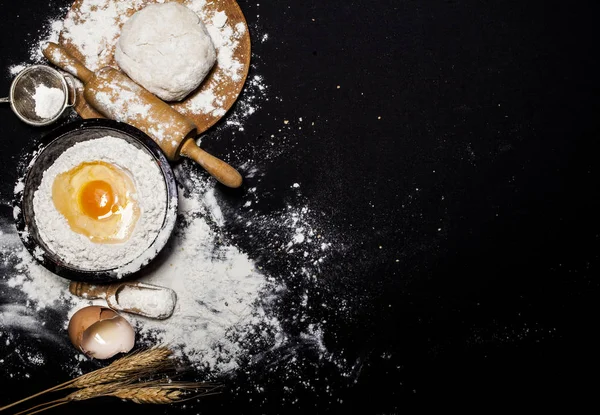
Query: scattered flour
(214, 340)
(16, 69)
(234, 313)
(218, 288)
(95, 30)
(126, 105)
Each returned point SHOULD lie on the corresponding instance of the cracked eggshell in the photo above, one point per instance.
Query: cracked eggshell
(100, 332)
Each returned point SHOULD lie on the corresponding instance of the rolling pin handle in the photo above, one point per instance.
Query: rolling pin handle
(61, 58)
(217, 168)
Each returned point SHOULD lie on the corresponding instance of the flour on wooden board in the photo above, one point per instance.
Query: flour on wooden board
(95, 28)
(91, 33)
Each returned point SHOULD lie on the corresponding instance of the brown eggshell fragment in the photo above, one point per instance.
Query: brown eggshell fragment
(84, 318)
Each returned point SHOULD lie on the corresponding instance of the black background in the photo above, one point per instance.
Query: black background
(456, 163)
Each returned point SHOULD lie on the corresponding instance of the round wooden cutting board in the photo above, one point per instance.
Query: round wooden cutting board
(225, 88)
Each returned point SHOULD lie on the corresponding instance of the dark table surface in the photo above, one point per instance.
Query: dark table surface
(456, 167)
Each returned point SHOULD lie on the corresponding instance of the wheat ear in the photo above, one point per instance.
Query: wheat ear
(163, 393)
(137, 363)
(79, 395)
(140, 363)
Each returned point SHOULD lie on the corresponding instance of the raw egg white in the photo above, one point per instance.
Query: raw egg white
(98, 201)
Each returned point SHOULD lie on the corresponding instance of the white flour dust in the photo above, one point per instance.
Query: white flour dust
(126, 105)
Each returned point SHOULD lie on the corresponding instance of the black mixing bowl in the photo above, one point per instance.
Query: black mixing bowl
(53, 145)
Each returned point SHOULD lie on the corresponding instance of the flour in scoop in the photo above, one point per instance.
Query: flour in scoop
(48, 101)
(152, 302)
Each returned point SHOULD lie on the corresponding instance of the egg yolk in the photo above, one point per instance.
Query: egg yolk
(98, 200)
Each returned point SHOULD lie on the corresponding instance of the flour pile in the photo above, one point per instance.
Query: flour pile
(218, 287)
(48, 101)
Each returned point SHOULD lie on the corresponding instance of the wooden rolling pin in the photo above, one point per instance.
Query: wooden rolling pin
(116, 96)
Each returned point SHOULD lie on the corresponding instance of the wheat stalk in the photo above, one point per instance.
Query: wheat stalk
(149, 392)
(137, 364)
(154, 395)
(79, 395)
(121, 379)
(163, 393)
(92, 392)
(142, 359)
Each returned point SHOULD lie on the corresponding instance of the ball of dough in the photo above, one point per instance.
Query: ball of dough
(166, 49)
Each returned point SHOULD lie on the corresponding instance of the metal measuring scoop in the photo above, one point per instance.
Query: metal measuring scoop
(23, 88)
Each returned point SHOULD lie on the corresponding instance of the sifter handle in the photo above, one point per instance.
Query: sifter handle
(63, 59)
(3, 100)
(217, 168)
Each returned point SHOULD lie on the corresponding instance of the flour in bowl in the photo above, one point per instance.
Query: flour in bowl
(150, 197)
